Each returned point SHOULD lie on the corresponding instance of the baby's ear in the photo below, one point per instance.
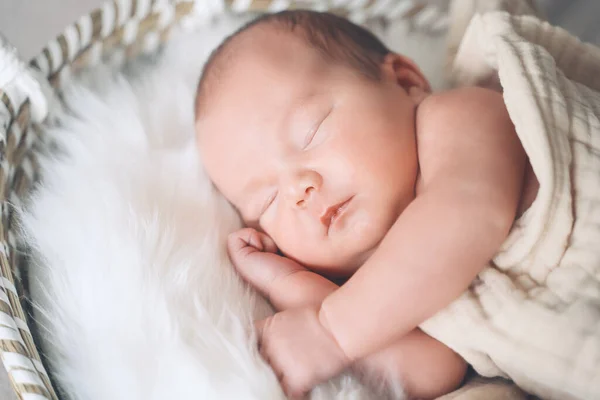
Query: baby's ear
(404, 72)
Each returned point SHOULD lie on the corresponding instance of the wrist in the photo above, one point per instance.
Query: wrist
(325, 324)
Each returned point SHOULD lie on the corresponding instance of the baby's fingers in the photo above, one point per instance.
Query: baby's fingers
(268, 244)
(290, 391)
(242, 239)
(249, 240)
(265, 349)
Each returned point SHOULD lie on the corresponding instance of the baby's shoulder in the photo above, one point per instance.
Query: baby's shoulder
(462, 105)
(461, 114)
(462, 126)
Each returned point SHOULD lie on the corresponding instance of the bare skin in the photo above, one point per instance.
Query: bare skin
(407, 193)
(415, 360)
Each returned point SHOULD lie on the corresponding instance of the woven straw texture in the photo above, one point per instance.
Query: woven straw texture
(119, 30)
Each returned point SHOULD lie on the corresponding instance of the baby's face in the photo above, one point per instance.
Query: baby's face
(318, 157)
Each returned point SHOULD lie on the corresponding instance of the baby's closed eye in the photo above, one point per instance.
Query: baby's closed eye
(270, 200)
(316, 134)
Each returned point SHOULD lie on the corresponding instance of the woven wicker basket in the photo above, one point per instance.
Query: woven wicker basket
(120, 30)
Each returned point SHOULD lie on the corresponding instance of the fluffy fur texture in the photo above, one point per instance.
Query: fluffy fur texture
(136, 298)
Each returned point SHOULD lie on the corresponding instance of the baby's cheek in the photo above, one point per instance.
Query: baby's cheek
(267, 228)
(293, 247)
(300, 249)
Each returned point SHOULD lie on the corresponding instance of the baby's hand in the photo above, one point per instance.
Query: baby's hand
(300, 349)
(284, 282)
(255, 257)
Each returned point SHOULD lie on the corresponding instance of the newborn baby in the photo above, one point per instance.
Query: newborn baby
(346, 168)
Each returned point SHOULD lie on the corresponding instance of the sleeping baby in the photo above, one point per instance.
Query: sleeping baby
(346, 168)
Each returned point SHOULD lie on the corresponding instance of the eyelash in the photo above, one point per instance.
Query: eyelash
(314, 132)
(269, 202)
(311, 136)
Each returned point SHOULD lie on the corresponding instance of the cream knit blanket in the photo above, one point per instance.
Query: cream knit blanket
(533, 314)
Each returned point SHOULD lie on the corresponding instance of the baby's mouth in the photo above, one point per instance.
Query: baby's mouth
(334, 213)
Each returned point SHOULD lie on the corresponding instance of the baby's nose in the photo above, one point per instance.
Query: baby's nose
(301, 201)
(303, 187)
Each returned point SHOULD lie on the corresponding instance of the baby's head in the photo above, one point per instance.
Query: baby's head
(306, 124)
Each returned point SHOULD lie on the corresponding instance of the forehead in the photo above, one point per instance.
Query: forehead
(272, 64)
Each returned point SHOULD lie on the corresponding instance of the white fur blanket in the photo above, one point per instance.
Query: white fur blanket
(136, 297)
(135, 293)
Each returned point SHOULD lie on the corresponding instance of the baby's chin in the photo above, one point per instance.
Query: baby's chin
(339, 266)
(341, 255)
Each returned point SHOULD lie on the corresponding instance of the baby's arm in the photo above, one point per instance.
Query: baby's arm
(424, 367)
(472, 167)
(284, 282)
